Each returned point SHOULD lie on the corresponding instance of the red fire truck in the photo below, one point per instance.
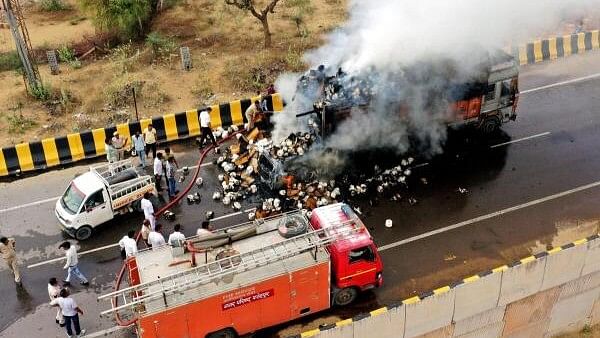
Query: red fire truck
(251, 276)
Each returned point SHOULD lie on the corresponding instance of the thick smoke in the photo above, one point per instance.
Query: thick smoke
(389, 38)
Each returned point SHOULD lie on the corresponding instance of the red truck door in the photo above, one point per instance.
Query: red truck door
(361, 267)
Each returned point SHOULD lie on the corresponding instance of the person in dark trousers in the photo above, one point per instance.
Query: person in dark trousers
(158, 170)
(150, 140)
(70, 311)
(205, 129)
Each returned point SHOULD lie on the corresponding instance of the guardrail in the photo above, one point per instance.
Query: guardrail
(52, 152)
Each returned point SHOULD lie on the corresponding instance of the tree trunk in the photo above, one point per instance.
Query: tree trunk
(266, 31)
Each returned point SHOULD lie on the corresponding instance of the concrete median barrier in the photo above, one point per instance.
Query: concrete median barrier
(477, 294)
(558, 47)
(592, 263)
(564, 267)
(523, 279)
(479, 321)
(57, 151)
(433, 312)
(386, 322)
(572, 313)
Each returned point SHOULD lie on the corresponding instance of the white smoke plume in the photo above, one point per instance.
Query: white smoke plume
(391, 35)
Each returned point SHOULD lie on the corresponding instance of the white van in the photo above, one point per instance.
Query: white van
(96, 196)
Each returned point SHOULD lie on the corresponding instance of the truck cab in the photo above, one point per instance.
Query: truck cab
(355, 261)
(96, 196)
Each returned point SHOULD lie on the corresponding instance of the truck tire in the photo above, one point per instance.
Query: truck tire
(345, 296)
(490, 125)
(225, 333)
(84, 232)
(291, 226)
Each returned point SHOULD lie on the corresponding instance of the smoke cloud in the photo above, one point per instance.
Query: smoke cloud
(392, 36)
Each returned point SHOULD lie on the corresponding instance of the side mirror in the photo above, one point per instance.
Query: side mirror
(88, 209)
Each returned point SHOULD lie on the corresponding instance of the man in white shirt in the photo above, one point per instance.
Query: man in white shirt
(148, 208)
(155, 238)
(158, 170)
(204, 230)
(205, 128)
(70, 311)
(128, 244)
(176, 238)
(71, 264)
(119, 144)
(54, 292)
(150, 140)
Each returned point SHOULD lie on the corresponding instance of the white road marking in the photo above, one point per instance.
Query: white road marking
(562, 83)
(488, 216)
(520, 139)
(80, 254)
(52, 199)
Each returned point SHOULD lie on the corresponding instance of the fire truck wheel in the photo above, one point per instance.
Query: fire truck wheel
(490, 125)
(84, 232)
(225, 333)
(345, 296)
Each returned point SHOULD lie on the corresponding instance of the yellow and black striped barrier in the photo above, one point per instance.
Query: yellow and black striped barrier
(56, 151)
(558, 47)
(443, 289)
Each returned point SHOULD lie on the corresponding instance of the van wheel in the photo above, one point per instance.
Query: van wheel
(490, 125)
(345, 296)
(225, 333)
(84, 232)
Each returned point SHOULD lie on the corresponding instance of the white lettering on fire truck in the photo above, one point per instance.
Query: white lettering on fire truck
(247, 299)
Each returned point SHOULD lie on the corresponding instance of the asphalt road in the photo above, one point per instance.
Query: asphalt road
(563, 155)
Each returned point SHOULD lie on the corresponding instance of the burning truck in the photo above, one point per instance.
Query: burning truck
(483, 97)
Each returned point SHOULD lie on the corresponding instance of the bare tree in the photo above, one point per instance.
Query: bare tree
(262, 16)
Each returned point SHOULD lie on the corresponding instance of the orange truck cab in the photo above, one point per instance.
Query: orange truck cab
(250, 276)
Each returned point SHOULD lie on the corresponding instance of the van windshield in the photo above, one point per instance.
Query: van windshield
(72, 199)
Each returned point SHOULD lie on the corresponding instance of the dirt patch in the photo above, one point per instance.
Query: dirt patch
(229, 63)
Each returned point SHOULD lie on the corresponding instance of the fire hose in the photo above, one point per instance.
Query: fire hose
(157, 214)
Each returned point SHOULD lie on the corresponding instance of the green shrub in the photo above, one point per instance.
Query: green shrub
(42, 92)
(53, 5)
(66, 54)
(17, 123)
(10, 61)
(160, 45)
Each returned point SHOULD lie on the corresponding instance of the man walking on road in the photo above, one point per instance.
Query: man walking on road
(70, 311)
(128, 245)
(150, 140)
(7, 249)
(71, 264)
(54, 292)
(205, 129)
(171, 182)
(148, 208)
(140, 147)
(158, 171)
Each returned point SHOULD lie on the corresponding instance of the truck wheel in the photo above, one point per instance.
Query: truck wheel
(345, 296)
(225, 333)
(490, 125)
(84, 232)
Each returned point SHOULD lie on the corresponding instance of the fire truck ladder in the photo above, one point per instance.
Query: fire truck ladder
(185, 280)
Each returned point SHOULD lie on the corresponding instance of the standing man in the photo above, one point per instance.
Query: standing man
(176, 238)
(7, 249)
(145, 231)
(204, 230)
(150, 139)
(54, 292)
(171, 182)
(252, 114)
(148, 208)
(158, 170)
(170, 155)
(71, 264)
(70, 311)
(271, 89)
(140, 147)
(119, 144)
(205, 129)
(128, 245)
(155, 238)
